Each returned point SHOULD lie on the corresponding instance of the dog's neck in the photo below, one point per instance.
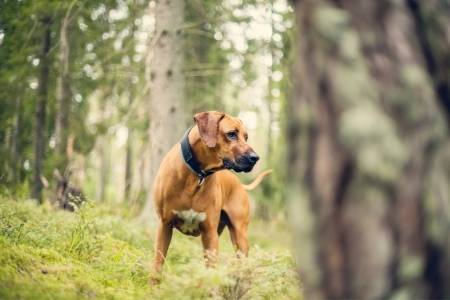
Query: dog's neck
(207, 157)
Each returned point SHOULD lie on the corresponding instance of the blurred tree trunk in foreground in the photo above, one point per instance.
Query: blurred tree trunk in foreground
(41, 106)
(367, 126)
(166, 83)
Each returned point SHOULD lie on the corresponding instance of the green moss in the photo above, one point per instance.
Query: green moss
(330, 23)
(97, 253)
(364, 129)
(371, 136)
(411, 267)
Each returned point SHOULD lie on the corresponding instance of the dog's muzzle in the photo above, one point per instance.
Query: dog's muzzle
(243, 163)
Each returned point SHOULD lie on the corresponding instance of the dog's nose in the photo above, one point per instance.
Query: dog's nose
(253, 157)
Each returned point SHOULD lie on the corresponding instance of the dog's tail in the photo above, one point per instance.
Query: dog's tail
(257, 181)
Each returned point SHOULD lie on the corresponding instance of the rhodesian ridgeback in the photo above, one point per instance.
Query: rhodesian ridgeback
(195, 192)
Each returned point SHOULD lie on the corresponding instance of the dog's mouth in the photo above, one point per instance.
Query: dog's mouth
(240, 165)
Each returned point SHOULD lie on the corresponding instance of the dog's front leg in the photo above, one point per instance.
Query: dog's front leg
(210, 241)
(162, 242)
(239, 238)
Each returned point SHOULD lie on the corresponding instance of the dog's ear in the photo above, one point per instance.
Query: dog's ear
(208, 125)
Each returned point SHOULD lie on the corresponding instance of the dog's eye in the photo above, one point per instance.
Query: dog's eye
(232, 135)
(246, 137)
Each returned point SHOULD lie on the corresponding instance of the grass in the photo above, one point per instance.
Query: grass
(98, 252)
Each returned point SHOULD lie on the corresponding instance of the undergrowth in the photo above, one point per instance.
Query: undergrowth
(99, 252)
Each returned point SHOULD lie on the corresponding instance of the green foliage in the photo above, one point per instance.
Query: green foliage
(98, 252)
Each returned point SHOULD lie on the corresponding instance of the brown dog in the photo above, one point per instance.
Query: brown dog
(194, 192)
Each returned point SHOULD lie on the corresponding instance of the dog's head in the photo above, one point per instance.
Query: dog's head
(227, 137)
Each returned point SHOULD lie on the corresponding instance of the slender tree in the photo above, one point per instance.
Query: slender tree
(15, 141)
(63, 93)
(41, 106)
(129, 155)
(131, 94)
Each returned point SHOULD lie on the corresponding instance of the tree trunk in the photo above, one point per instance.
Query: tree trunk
(432, 24)
(15, 144)
(270, 86)
(167, 87)
(129, 143)
(40, 114)
(63, 95)
(129, 157)
(104, 168)
(364, 124)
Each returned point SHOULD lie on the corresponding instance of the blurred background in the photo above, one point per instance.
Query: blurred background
(348, 101)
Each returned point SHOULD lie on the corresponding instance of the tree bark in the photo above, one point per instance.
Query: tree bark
(104, 153)
(15, 143)
(129, 162)
(104, 168)
(129, 157)
(167, 87)
(40, 113)
(63, 95)
(364, 123)
(432, 27)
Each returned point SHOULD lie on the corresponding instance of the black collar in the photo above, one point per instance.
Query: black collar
(190, 159)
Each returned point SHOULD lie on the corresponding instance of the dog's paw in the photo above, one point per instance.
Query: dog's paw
(154, 279)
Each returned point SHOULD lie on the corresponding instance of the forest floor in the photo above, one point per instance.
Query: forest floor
(100, 252)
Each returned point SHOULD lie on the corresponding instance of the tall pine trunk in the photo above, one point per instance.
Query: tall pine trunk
(63, 94)
(129, 155)
(167, 87)
(40, 113)
(104, 168)
(15, 162)
(129, 162)
(365, 123)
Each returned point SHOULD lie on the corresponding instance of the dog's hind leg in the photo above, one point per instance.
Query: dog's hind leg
(238, 234)
(238, 214)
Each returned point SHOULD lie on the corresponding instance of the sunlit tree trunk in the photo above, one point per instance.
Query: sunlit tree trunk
(364, 126)
(128, 157)
(41, 105)
(167, 87)
(129, 161)
(63, 94)
(270, 85)
(104, 153)
(104, 168)
(262, 207)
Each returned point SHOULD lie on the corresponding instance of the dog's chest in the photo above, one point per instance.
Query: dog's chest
(188, 221)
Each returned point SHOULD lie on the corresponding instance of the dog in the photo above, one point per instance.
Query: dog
(195, 192)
